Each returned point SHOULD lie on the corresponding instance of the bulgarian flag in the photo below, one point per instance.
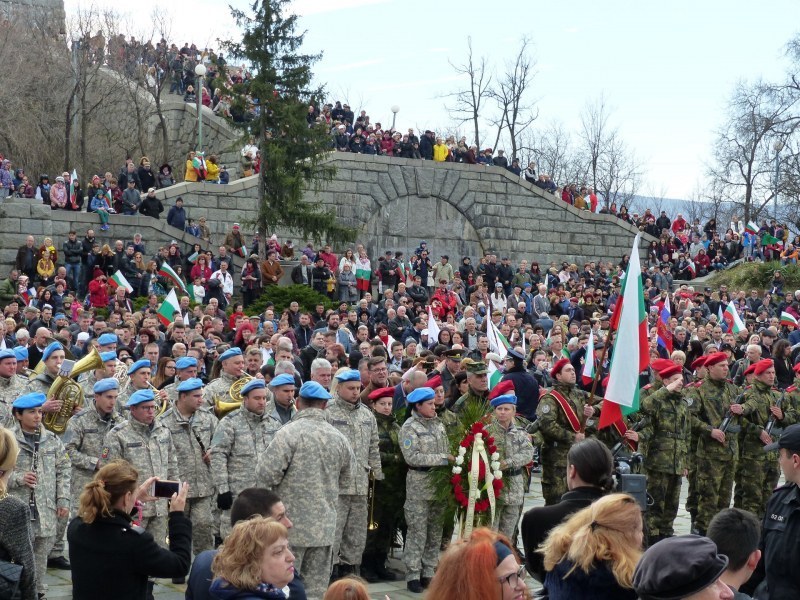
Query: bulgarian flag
(118, 280)
(768, 240)
(193, 258)
(692, 268)
(731, 317)
(497, 341)
(168, 308)
(166, 271)
(588, 364)
(751, 228)
(364, 275)
(243, 251)
(72, 199)
(631, 348)
(787, 319)
(433, 329)
(495, 375)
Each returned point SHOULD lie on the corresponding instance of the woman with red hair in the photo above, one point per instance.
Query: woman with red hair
(484, 568)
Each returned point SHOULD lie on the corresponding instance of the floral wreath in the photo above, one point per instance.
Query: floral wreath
(479, 490)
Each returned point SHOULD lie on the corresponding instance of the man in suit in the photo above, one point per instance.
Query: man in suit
(301, 274)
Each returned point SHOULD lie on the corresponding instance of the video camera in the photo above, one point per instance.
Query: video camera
(630, 480)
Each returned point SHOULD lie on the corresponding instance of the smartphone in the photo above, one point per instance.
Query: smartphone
(165, 489)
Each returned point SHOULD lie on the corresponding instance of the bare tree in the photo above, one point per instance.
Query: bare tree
(618, 173)
(596, 136)
(469, 102)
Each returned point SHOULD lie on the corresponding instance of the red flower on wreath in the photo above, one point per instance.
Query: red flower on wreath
(460, 485)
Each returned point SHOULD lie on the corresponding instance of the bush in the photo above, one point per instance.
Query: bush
(282, 296)
(746, 276)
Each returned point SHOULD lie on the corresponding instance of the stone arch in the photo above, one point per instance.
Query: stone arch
(402, 222)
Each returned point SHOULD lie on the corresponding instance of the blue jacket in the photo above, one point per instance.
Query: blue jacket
(176, 217)
(597, 584)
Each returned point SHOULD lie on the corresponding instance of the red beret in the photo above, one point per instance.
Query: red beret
(670, 371)
(763, 365)
(716, 358)
(434, 382)
(387, 392)
(558, 366)
(660, 364)
(574, 299)
(752, 369)
(698, 362)
(504, 387)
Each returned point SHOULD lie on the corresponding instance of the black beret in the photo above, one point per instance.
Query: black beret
(512, 353)
(678, 567)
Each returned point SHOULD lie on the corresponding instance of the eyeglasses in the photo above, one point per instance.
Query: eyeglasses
(514, 578)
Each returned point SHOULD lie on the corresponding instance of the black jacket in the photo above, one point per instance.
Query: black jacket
(537, 523)
(96, 571)
(526, 389)
(151, 207)
(72, 251)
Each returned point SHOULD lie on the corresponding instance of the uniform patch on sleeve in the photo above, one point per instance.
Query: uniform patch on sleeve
(106, 452)
(689, 401)
(545, 409)
(407, 443)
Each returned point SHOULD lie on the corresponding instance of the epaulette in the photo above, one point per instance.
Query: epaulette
(647, 387)
(120, 426)
(166, 412)
(82, 411)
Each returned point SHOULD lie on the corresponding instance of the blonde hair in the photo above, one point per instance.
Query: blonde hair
(349, 588)
(110, 484)
(9, 450)
(239, 559)
(603, 531)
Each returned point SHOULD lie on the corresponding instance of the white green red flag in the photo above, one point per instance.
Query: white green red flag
(788, 319)
(169, 308)
(193, 258)
(495, 375)
(73, 200)
(588, 364)
(364, 276)
(166, 271)
(751, 228)
(732, 319)
(433, 329)
(497, 341)
(118, 280)
(631, 353)
(243, 251)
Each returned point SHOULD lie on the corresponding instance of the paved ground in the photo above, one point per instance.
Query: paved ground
(60, 584)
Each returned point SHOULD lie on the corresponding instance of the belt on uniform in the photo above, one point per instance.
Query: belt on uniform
(512, 472)
(420, 468)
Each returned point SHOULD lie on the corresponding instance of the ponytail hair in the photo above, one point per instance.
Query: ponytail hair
(110, 484)
(9, 450)
(593, 462)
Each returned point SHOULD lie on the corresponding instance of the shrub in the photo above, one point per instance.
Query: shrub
(746, 276)
(282, 296)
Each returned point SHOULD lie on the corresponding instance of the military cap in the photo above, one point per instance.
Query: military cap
(661, 363)
(434, 382)
(558, 366)
(477, 367)
(698, 362)
(107, 356)
(185, 362)
(21, 352)
(503, 387)
(752, 369)
(106, 339)
(422, 394)
(514, 354)
(670, 371)
(142, 363)
(60, 316)
(7, 353)
(50, 349)
(109, 383)
(503, 399)
(387, 392)
(253, 384)
(31, 400)
(140, 397)
(790, 439)
(763, 365)
(314, 391)
(678, 567)
(191, 384)
(455, 355)
(716, 358)
(282, 379)
(349, 375)
(230, 354)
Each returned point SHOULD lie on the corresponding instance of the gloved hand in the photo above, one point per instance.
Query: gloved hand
(225, 501)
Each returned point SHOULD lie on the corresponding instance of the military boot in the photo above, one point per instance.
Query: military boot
(379, 566)
(414, 586)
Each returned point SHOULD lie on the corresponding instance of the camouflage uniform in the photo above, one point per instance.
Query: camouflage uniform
(451, 424)
(693, 400)
(40, 383)
(357, 423)
(716, 463)
(51, 491)
(192, 439)
(515, 448)
(308, 462)
(756, 482)
(558, 437)
(471, 396)
(239, 440)
(150, 450)
(124, 395)
(219, 388)
(424, 445)
(87, 385)
(10, 389)
(667, 437)
(83, 440)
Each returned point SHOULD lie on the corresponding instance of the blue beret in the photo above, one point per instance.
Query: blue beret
(7, 353)
(282, 379)
(32, 400)
(253, 384)
(422, 394)
(60, 316)
(349, 375)
(109, 383)
(21, 352)
(230, 354)
(504, 399)
(139, 364)
(50, 349)
(140, 396)
(106, 339)
(107, 356)
(314, 391)
(190, 385)
(184, 362)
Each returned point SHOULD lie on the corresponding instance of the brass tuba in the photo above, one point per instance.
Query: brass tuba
(221, 407)
(69, 392)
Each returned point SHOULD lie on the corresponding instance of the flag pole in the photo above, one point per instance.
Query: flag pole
(598, 373)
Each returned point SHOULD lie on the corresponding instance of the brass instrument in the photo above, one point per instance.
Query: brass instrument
(373, 524)
(34, 463)
(164, 405)
(32, 374)
(69, 392)
(221, 407)
(121, 374)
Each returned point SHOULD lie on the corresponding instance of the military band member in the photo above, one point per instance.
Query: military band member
(148, 446)
(139, 375)
(192, 430)
(185, 369)
(52, 357)
(232, 367)
(11, 386)
(107, 342)
(281, 408)
(424, 445)
(308, 463)
(41, 478)
(357, 423)
(21, 352)
(108, 369)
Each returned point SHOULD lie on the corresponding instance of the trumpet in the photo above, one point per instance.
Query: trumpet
(223, 407)
(373, 524)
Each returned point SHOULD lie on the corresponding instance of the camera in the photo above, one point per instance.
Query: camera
(630, 480)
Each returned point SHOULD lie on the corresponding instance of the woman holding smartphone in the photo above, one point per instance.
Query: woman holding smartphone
(104, 522)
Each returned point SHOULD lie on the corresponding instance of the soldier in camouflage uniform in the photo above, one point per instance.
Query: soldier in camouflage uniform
(666, 433)
(516, 451)
(185, 368)
(760, 405)
(192, 430)
(232, 367)
(45, 478)
(86, 432)
(478, 382)
(560, 430)
(239, 440)
(357, 423)
(424, 445)
(139, 380)
(11, 386)
(281, 407)
(693, 400)
(717, 451)
(148, 446)
(307, 464)
(390, 493)
(107, 370)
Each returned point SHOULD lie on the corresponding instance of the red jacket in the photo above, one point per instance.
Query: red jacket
(98, 293)
(448, 302)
